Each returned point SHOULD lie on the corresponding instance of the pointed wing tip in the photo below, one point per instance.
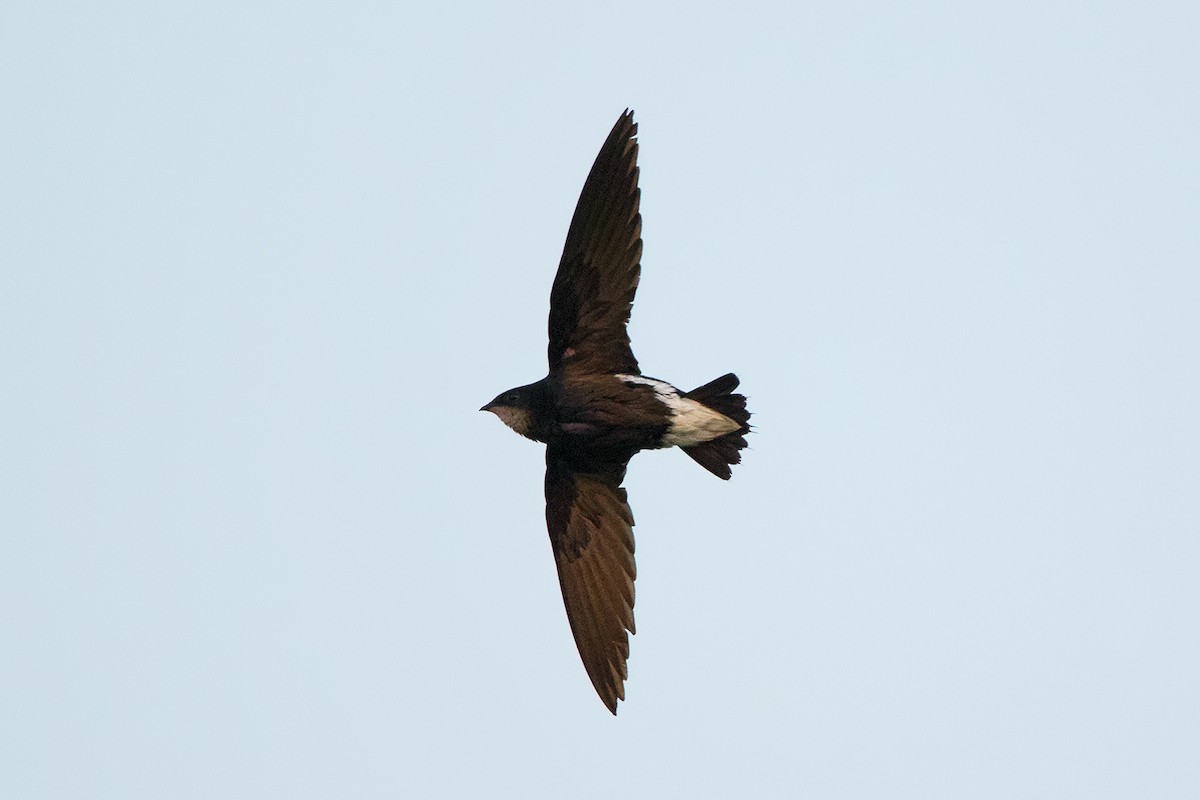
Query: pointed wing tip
(611, 698)
(625, 121)
(611, 693)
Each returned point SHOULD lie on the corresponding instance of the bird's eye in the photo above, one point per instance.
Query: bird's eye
(512, 398)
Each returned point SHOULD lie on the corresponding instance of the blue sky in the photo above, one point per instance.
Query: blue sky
(260, 263)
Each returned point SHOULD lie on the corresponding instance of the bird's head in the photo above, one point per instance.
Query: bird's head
(515, 408)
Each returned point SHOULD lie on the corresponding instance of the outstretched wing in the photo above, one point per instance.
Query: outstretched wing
(591, 532)
(601, 263)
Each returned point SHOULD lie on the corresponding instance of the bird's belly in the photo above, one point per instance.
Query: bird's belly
(613, 436)
(628, 413)
(612, 417)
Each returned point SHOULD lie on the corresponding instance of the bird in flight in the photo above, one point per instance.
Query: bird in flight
(594, 410)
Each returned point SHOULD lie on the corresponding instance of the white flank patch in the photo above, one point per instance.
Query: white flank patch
(692, 422)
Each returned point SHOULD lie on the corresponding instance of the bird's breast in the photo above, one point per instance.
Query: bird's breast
(608, 413)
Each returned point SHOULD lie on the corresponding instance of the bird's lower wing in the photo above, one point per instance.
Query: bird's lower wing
(591, 532)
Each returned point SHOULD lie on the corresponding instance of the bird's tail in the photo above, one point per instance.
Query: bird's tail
(717, 455)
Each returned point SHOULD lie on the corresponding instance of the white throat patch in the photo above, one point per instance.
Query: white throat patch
(516, 418)
(692, 422)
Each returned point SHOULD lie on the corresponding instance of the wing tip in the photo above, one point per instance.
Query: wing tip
(625, 128)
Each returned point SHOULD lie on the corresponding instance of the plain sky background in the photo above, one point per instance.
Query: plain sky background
(263, 262)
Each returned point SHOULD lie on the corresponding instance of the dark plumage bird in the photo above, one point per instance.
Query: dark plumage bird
(595, 410)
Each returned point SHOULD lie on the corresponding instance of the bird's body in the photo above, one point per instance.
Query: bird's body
(595, 410)
(614, 415)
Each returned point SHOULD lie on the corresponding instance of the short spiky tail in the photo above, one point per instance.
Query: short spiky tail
(718, 454)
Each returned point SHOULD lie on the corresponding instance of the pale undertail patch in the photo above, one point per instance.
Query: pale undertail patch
(692, 422)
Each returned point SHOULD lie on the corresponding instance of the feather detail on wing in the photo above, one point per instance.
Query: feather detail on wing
(591, 532)
(597, 277)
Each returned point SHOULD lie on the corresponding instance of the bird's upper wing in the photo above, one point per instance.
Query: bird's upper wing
(591, 532)
(601, 263)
